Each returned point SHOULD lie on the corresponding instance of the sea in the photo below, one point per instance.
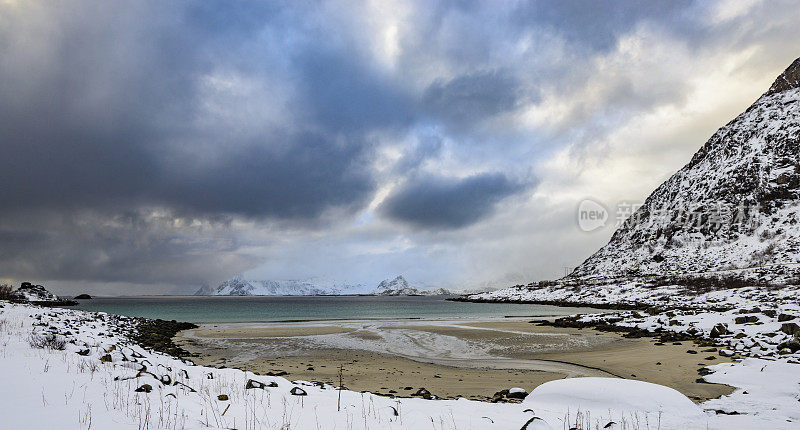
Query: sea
(231, 309)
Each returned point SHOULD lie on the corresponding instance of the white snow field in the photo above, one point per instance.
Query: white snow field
(77, 387)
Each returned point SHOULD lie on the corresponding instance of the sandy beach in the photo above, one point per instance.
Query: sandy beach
(472, 359)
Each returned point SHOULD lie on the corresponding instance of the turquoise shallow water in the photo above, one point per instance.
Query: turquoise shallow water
(264, 309)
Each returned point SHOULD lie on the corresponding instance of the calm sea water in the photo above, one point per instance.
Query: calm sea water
(264, 309)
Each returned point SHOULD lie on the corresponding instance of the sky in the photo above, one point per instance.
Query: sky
(153, 147)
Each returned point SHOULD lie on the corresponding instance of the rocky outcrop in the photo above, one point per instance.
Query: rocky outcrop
(789, 79)
(37, 294)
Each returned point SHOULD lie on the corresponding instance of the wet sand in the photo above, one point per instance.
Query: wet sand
(450, 359)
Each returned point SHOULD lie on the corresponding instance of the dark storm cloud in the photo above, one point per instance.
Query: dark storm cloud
(138, 246)
(474, 96)
(441, 202)
(101, 115)
(296, 183)
(98, 131)
(344, 96)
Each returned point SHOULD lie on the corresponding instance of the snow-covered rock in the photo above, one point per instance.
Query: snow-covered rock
(596, 402)
(34, 293)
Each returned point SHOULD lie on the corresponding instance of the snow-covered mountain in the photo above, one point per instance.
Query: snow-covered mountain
(735, 205)
(239, 286)
(400, 287)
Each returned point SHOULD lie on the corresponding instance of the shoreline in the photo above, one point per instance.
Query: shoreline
(520, 353)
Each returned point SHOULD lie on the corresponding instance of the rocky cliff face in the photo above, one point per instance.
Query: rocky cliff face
(735, 205)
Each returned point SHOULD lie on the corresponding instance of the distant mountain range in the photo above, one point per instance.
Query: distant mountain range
(240, 286)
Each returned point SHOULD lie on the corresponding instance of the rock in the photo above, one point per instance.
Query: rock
(792, 345)
(769, 312)
(83, 297)
(691, 351)
(254, 384)
(740, 335)
(145, 388)
(746, 319)
(297, 391)
(222, 397)
(786, 317)
(425, 394)
(719, 330)
(725, 353)
(791, 329)
(517, 393)
(106, 359)
(83, 352)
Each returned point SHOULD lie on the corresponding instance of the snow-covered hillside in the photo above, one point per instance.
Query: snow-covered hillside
(239, 286)
(735, 205)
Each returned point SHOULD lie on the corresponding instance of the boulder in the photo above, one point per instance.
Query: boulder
(792, 345)
(254, 384)
(719, 330)
(725, 353)
(222, 397)
(746, 319)
(297, 391)
(792, 329)
(786, 317)
(144, 388)
(425, 394)
(517, 393)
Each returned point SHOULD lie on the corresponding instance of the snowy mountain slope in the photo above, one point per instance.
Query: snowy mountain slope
(398, 283)
(239, 286)
(400, 287)
(736, 204)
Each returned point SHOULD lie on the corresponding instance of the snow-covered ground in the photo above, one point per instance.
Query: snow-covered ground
(93, 381)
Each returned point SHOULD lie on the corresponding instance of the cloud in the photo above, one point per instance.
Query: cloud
(150, 143)
(441, 202)
(473, 97)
